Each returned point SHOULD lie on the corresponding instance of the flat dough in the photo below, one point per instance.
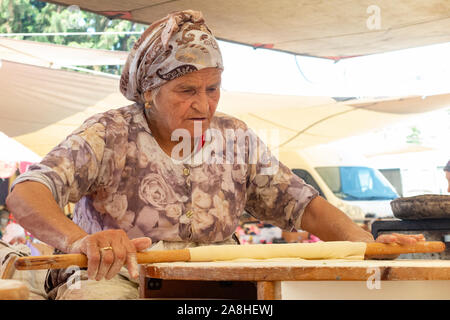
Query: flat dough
(310, 251)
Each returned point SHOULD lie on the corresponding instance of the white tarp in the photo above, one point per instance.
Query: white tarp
(319, 28)
(54, 56)
(40, 106)
(13, 151)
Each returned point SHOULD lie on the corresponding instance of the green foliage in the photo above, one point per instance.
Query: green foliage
(32, 16)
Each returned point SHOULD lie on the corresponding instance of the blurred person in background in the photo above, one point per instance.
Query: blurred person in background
(447, 175)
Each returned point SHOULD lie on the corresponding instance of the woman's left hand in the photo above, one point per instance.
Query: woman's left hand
(402, 239)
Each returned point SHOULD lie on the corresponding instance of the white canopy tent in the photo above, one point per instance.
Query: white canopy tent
(329, 29)
(41, 105)
(13, 151)
(56, 56)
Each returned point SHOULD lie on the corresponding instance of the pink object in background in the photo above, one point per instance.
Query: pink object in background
(23, 166)
(312, 238)
(14, 233)
(7, 169)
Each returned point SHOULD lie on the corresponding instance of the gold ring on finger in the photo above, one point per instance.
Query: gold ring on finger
(105, 248)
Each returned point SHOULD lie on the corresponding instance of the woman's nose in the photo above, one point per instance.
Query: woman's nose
(201, 102)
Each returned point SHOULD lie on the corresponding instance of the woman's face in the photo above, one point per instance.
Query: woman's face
(185, 100)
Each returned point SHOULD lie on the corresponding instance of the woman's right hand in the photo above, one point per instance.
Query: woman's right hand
(106, 263)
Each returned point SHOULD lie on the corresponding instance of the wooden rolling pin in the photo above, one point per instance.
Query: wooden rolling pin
(230, 252)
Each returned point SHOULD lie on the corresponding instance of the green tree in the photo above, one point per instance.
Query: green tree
(31, 16)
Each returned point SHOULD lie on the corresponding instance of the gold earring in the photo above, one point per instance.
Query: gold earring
(147, 105)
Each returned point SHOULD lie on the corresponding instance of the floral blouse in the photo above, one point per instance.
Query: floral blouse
(119, 177)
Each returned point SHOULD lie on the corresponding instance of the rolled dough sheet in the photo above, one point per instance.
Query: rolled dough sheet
(310, 251)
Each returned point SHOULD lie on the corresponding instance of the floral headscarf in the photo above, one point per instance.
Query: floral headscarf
(171, 47)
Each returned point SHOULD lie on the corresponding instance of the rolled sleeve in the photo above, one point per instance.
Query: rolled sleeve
(70, 169)
(40, 175)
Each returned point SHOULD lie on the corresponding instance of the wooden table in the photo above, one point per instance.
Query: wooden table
(298, 279)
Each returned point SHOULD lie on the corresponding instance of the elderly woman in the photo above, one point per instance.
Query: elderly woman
(134, 185)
